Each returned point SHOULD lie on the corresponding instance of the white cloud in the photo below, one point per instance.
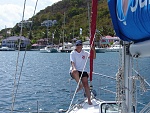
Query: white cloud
(10, 14)
(11, 11)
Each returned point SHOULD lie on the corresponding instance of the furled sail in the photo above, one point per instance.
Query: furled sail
(131, 19)
(92, 32)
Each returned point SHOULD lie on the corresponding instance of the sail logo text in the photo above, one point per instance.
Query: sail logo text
(141, 3)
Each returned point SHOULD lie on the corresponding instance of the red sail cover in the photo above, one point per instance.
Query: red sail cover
(93, 28)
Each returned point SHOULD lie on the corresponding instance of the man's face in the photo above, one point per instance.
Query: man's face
(79, 46)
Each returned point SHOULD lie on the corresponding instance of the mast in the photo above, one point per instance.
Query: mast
(5, 32)
(126, 59)
(73, 28)
(47, 31)
(63, 32)
(92, 33)
(88, 5)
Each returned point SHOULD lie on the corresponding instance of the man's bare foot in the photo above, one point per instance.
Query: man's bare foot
(89, 102)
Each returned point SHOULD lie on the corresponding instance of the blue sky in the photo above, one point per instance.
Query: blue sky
(11, 11)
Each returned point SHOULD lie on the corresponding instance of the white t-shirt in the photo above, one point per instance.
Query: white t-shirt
(79, 59)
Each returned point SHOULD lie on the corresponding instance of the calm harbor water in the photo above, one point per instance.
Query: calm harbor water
(45, 79)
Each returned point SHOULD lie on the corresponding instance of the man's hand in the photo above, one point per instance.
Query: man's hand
(93, 48)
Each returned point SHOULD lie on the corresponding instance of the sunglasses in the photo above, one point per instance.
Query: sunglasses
(79, 45)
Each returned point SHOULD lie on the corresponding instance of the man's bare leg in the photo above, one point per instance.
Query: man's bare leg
(75, 75)
(87, 89)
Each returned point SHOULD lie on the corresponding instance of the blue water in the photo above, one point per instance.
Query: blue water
(45, 78)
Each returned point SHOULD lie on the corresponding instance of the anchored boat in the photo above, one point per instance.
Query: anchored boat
(49, 49)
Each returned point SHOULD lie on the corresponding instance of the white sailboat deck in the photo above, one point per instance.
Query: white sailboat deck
(98, 106)
(86, 108)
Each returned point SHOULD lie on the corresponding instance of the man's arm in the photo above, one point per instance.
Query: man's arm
(73, 66)
(72, 61)
(94, 52)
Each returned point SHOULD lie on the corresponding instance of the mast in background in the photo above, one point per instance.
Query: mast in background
(63, 32)
(88, 5)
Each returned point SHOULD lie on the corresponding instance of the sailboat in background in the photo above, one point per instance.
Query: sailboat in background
(87, 47)
(132, 25)
(50, 48)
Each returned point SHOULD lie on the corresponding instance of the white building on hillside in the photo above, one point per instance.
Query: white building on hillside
(13, 41)
(108, 40)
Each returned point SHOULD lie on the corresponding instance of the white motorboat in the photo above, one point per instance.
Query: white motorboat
(66, 49)
(49, 49)
(98, 50)
(6, 49)
(86, 47)
(114, 48)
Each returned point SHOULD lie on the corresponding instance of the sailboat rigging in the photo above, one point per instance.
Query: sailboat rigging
(132, 26)
(16, 83)
(131, 23)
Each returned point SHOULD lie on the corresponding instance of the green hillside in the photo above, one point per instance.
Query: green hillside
(71, 15)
